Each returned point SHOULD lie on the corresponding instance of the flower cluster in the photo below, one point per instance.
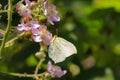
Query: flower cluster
(30, 23)
(38, 30)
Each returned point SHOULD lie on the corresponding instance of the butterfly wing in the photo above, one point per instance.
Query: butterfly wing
(67, 47)
(55, 53)
(60, 48)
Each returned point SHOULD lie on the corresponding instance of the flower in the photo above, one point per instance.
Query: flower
(37, 38)
(27, 3)
(1, 35)
(24, 9)
(41, 34)
(42, 27)
(35, 24)
(31, 25)
(50, 12)
(34, 27)
(23, 27)
(46, 36)
(55, 70)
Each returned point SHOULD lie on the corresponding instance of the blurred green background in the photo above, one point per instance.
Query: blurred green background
(93, 26)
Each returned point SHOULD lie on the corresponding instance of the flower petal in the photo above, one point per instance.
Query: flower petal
(34, 24)
(37, 38)
(35, 31)
(21, 27)
(47, 39)
(42, 27)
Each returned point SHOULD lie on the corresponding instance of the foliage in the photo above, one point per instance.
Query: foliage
(91, 25)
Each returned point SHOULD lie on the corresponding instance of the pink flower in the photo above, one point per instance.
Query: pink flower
(23, 27)
(37, 38)
(24, 9)
(55, 70)
(39, 33)
(51, 13)
(46, 36)
(43, 35)
(27, 3)
(34, 27)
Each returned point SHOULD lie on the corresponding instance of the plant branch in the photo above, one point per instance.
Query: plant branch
(24, 74)
(3, 11)
(13, 39)
(8, 27)
(2, 31)
(38, 67)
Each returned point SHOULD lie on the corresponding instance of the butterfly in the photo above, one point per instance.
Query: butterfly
(60, 49)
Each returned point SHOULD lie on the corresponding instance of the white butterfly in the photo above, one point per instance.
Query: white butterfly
(60, 49)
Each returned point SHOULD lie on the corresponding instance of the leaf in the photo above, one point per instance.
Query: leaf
(60, 49)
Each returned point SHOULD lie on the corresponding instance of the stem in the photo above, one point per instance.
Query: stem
(40, 62)
(8, 27)
(13, 39)
(42, 49)
(3, 11)
(2, 31)
(24, 75)
(38, 67)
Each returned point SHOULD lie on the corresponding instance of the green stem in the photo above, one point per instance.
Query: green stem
(24, 74)
(2, 31)
(8, 26)
(40, 62)
(3, 11)
(13, 39)
(37, 68)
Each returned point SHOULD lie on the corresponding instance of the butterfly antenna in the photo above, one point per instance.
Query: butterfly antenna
(53, 39)
(56, 30)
